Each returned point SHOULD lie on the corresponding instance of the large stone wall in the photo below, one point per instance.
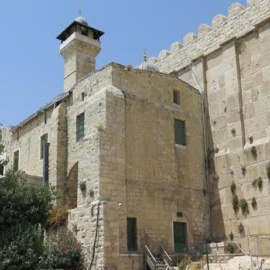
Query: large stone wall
(231, 63)
(88, 97)
(240, 21)
(143, 169)
(26, 139)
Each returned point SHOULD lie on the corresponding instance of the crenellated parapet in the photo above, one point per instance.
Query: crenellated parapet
(240, 21)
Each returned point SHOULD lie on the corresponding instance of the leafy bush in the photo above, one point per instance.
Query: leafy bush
(260, 183)
(244, 170)
(21, 203)
(24, 250)
(235, 203)
(186, 260)
(254, 152)
(229, 247)
(57, 216)
(255, 183)
(91, 193)
(244, 206)
(64, 251)
(83, 186)
(254, 203)
(268, 170)
(23, 213)
(233, 188)
(241, 228)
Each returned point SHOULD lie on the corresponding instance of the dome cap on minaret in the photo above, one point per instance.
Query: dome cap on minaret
(80, 19)
(79, 23)
(145, 65)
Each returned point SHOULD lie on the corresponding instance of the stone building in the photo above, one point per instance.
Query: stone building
(125, 148)
(230, 62)
(143, 157)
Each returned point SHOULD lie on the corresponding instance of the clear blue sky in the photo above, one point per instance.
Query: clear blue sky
(31, 67)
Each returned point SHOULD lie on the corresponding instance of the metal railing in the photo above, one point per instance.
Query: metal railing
(150, 259)
(166, 258)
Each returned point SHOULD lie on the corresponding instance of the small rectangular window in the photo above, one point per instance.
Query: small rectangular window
(176, 97)
(45, 118)
(180, 132)
(1, 170)
(16, 161)
(131, 234)
(43, 141)
(80, 127)
(83, 96)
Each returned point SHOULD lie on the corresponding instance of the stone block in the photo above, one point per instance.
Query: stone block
(235, 9)
(218, 20)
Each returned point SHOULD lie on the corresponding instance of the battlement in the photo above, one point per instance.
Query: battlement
(239, 22)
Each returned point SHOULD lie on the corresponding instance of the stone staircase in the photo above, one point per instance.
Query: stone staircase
(157, 262)
(160, 264)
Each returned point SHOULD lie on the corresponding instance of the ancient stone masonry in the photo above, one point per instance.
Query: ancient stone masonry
(239, 22)
(138, 158)
(127, 164)
(230, 62)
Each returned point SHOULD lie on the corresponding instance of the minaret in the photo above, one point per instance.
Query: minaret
(79, 47)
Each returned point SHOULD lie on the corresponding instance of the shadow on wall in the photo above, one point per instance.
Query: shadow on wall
(72, 187)
(217, 226)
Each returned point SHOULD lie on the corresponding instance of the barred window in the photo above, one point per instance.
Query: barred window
(80, 126)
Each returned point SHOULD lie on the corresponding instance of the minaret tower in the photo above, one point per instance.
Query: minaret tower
(79, 47)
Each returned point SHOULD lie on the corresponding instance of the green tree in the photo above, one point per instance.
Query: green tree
(23, 214)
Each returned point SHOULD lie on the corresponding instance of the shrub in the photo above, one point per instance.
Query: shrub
(185, 261)
(233, 188)
(233, 132)
(100, 128)
(64, 251)
(260, 183)
(244, 206)
(23, 212)
(83, 185)
(229, 247)
(235, 203)
(91, 193)
(23, 204)
(231, 236)
(268, 170)
(255, 183)
(254, 203)
(241, 228)
(57, 216)
(24, 250)
(250, 140)
(243, 168)
(254, 152)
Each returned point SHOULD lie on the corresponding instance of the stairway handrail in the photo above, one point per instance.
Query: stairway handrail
(167, 259)
(150, 253)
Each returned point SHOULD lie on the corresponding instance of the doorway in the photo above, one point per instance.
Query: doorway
(180, 237)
